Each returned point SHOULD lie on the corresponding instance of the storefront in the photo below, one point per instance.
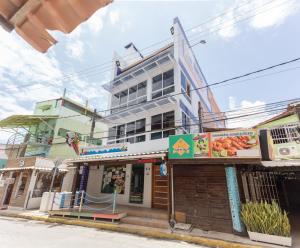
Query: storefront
(135, 177)
(24, 181)
(206, 185)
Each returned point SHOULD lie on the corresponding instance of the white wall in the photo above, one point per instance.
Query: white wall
(95, 183)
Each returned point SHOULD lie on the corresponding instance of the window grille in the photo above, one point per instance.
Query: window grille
(286, 133)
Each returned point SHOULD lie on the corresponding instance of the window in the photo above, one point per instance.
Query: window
(131, 129)
(114, 179)
(133, 95)
(140, 126)
(185, 87)
(120, 131)
(165, 123)
(163, 84)
(186, 124)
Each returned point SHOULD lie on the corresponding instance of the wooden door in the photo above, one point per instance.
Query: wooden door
(160, 188)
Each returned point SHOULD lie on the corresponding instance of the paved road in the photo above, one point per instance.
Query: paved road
(19, 233)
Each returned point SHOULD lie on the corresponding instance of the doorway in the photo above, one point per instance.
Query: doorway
(137, 184)
(160, 188)
(9, 190)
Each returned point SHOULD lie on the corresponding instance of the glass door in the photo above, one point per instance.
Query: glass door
(137, 184)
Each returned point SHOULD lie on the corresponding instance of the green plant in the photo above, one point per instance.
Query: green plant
(263, 217)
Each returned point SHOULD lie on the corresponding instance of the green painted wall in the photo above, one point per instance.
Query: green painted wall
(282, 121)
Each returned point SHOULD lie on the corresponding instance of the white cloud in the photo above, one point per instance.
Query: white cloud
(276, 15)
(95, 23)
(246, 114)
(257, 14)
(75, 49)
(114, 16)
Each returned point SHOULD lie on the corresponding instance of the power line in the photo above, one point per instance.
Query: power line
(66, 77)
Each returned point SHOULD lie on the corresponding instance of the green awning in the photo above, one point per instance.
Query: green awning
(15, 121)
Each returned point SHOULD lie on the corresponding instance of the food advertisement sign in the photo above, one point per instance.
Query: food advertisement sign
(241, 143)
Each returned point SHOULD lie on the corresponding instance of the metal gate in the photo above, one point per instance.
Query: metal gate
(260, 186)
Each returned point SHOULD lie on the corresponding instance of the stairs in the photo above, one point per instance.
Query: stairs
(154, 218)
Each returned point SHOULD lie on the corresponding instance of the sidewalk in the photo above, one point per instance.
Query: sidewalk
(210, 239)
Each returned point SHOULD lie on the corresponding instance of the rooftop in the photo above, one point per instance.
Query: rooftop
(32, 18)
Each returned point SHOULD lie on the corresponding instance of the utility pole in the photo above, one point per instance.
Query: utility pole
(200, 117)
(93, 124)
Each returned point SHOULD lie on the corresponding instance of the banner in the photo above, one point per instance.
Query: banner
(240, 143)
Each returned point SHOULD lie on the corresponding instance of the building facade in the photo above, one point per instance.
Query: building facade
(41, 143)
(151, 98)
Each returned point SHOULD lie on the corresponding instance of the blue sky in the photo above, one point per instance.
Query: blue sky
(270, 36)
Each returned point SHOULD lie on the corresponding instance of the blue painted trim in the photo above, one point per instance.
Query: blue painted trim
(193, 84)
(234, 198)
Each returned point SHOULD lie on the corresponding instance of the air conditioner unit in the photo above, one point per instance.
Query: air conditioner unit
(287, 151)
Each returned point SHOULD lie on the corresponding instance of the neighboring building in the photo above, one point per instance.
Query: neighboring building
(151, 98)
(3, 156)
(40, 139)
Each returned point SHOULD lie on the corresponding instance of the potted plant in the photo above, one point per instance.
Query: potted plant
(267, 223)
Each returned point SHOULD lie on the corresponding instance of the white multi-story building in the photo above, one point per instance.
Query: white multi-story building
(151, 98)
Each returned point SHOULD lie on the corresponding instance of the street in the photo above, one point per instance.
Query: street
(32, 234)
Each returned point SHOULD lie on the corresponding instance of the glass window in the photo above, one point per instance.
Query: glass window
(140, 138)
(132, 93)
(168, 133)
(156, 122)
(157, 82)
(157, 135)
(115, 100)
(142, 89)
(123, 97)
(130, 128)
(120, 131)
(168, 90)
(156, 94)
(168, 78)
(130, 140)
(140, 126)
(168, 120)
(114, 179)
(142, 99)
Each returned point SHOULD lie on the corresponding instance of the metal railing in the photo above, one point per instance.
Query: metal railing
(286, 133)
(81, 201)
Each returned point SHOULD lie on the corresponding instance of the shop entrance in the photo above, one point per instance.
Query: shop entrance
(160, 188)
(9, 190)
(137, 184)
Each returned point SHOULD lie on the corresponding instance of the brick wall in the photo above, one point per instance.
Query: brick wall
(200, 191)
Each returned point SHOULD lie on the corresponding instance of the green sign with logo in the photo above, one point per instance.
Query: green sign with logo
(181, 146)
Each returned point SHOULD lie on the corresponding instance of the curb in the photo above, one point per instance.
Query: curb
(131, 230)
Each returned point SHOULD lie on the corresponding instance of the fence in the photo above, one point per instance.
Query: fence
(81, 201)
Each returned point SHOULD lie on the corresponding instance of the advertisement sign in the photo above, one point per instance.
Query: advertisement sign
(241, 143)
(99, 150)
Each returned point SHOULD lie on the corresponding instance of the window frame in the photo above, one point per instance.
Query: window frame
(163, 132)
(160, 92)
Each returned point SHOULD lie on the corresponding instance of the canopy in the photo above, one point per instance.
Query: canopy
(15, 121)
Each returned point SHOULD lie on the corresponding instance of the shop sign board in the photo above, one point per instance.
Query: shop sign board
(228, 144)
(99, 150)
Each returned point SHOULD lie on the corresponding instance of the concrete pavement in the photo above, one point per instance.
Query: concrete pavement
(33, 234)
